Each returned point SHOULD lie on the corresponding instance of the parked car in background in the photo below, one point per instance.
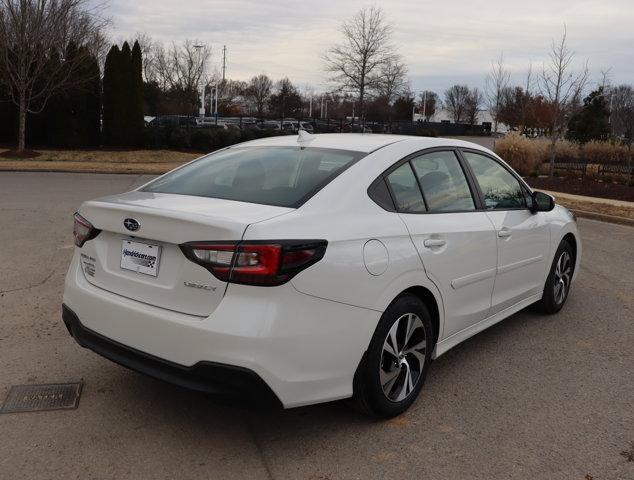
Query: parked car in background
(307, 126)
(270, 125)
(173, 121)
(302, 275)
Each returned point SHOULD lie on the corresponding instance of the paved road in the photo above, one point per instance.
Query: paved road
(532, 398)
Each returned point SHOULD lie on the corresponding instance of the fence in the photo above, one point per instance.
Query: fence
(599, 170)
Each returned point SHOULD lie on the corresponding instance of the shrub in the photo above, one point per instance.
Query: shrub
(566, 151)
(604, 152)
(179, 138)
(224, 138)
(521, 153)
(426, 132)
(202, 140)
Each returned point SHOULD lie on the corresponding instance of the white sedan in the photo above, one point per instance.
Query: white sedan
(304, 269)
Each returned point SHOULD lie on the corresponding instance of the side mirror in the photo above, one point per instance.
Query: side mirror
(542, 202)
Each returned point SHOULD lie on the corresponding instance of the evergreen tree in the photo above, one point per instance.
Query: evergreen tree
(125, 94)
(286, 101)
(111, 108)
(136, 97)
(91, 105)
(592, 122)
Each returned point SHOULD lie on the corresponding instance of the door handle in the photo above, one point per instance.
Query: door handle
(434, 242)
(504, 233)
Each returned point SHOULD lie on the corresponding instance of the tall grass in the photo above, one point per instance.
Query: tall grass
(526, 155)
(521, 153)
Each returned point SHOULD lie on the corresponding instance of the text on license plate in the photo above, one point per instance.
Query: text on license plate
(140, 257)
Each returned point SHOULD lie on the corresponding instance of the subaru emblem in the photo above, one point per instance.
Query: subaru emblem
(131, 224)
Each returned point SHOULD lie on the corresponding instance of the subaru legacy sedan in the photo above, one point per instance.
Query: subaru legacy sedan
(304, 269)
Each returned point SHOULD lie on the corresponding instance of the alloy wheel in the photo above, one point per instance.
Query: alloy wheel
(403, 357)
(563, 271)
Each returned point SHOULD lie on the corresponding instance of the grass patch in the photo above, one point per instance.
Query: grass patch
(101, 161)
(601, 208)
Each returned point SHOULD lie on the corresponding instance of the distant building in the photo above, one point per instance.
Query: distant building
(443, 115)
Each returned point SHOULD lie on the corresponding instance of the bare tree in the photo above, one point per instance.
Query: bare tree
(178, 67)
(356, 62)
(473, 103)
(525, 99)
(392, 80)
(230, 92)
(622, 112)
(456, 98)
(562, 89)
(258, 92)
(34, 37)
(496, 82)
(188, 63)
(622, 115)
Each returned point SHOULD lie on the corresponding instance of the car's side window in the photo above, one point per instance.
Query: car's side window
(500, 188)
(443, 182)
(405, 191)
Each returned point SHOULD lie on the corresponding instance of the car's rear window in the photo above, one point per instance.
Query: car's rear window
(282, 176)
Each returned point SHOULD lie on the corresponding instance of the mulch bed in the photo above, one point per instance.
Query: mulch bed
(14, 154)
(587, 187)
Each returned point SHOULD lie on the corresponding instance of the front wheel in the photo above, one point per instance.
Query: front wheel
(396, 363)
(559, 280)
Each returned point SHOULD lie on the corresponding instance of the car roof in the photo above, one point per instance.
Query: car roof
(359, 142)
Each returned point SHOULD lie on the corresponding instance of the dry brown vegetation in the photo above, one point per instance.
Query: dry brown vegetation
(592, 207)
(101, 161)
(526, 155)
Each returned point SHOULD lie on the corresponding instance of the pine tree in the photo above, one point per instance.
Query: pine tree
(111, 84)
(592, 122)
(124, 93)
(92, 114)
(136, 96)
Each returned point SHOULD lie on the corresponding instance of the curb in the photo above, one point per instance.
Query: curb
(602, 217)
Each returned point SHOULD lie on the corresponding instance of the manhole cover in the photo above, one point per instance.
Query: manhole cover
(35, 398)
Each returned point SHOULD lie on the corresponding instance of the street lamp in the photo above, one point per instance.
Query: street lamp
(201, 111)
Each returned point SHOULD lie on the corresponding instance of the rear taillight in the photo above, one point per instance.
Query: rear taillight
(265, 263)
(83, 230)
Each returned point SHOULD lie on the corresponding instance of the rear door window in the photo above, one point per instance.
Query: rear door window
(281, 176)
(443, 182)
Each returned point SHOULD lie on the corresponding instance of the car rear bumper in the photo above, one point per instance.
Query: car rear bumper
(221, 381)
(301, 348)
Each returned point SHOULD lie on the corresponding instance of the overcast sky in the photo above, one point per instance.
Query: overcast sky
(442, 42)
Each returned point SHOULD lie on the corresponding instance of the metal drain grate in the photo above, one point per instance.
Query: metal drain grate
(35, 398)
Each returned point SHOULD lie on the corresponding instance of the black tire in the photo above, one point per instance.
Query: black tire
(552, 301)
(369, 395)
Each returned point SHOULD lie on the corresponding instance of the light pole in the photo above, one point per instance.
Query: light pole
(201, 111)
(424, 104)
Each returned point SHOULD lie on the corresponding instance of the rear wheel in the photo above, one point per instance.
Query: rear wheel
(396, 363)
(559, 280)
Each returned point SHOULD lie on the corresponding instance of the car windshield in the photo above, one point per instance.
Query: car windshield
(281, 176)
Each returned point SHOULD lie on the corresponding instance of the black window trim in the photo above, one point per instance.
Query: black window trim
(476, 195)
(523, 185)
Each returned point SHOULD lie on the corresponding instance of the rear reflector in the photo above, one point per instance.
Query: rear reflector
(266, 263)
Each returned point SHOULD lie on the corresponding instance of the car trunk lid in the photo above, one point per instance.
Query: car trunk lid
(165, 221)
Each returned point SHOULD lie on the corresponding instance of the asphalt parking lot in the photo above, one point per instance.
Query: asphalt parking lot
(534, 397)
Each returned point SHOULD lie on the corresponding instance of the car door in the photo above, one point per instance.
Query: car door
(523, 238)
(453, 236)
